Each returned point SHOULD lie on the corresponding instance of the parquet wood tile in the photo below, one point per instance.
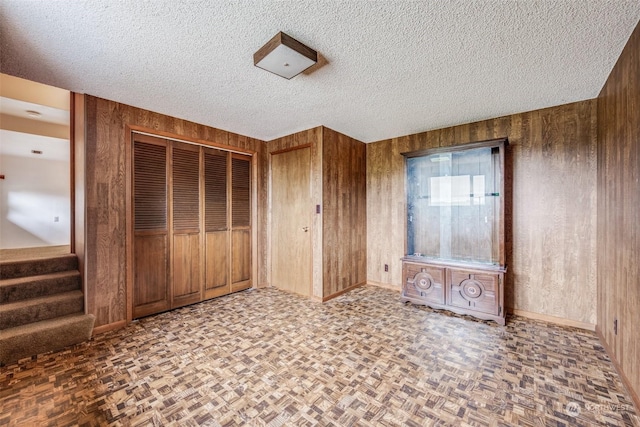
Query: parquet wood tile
(266, 358)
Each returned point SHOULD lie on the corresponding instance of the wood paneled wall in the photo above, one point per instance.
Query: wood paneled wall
(106, 193)
(551, 225)
(344, 212)
(619, 213)
(338, 185)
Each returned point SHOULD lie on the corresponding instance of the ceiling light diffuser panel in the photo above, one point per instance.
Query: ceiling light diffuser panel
(285, 56)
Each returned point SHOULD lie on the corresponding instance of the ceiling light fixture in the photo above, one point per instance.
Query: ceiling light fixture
(33, 113)
(285, 56)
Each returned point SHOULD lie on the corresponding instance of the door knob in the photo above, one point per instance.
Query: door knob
(305, 229)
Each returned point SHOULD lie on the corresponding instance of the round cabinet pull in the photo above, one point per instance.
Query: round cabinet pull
(305, 229)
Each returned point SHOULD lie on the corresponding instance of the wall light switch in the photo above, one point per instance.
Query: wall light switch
(56, 219)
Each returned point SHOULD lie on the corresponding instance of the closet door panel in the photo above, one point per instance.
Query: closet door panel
(186, 268)
(241, 191)
(241, 255)
(240, 222)
(217, 264)
(151, 293)
(216, 170)
(185, 203)
(151, 290)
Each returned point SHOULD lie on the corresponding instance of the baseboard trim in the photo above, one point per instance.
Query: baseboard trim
(344, 291)
(623, 377)
(109, 327)
(389, 286)
(552, 319)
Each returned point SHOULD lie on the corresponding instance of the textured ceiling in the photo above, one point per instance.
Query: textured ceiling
(394, 67)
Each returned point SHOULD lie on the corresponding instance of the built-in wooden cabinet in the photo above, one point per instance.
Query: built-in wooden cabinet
(456, 258)
(191, 223)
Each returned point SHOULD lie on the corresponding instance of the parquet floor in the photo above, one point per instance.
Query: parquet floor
(266, 358)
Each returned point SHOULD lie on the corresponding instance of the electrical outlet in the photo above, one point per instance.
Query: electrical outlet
(386, 267)
(615, 326)
(56, 219)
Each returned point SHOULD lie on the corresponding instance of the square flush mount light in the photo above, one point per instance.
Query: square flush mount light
(285, 56)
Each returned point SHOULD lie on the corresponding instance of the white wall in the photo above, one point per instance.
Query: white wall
(35, 191)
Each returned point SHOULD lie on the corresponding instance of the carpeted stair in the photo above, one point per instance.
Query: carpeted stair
(41, 307)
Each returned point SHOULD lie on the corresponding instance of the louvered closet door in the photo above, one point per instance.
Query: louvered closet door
(240, 222)
(216, 165)
(185, 208)
(150, 240)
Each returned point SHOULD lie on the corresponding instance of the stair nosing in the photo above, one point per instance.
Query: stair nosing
(4, 333)
(25, 261)
(28, 279)
(38, 266)
(6, 307)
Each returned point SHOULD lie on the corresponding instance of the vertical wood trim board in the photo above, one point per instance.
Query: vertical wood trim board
(551, 226)
(78, 112)
(344, 200)
(619, 213)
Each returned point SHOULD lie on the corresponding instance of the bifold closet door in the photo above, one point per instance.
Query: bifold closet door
(216, 170)
(185, 209)
(151, 293)
(192, 223)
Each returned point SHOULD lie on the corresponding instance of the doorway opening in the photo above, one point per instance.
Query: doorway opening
(35, 170)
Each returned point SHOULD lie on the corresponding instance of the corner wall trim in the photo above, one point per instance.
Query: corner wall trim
(391, 287)
(109, 327)
(344, 291)
(552, 319)
(625, 381)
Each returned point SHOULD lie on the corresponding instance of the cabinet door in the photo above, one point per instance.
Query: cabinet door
(150, 227)
(185, 176)
(474, 290)
(423, 282)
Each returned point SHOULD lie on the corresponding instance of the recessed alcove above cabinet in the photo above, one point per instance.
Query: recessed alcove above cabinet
(455, 229)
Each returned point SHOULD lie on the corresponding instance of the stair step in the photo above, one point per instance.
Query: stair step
(37, 267)
(21, 288)
(44, 336)
(41, 308)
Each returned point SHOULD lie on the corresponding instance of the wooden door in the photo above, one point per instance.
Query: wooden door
(192, 223)
(240, 222)
(216, 163)
(151, 231)
(291, 221)
(185, 216)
